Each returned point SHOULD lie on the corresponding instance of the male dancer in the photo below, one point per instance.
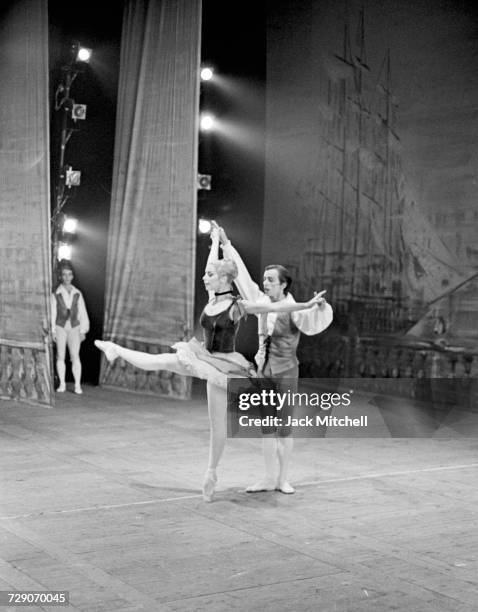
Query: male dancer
(279, 335)
(70, 324)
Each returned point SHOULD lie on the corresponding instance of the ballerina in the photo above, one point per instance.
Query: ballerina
(215, 359)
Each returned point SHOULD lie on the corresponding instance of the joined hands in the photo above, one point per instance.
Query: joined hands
(218, 231)
(317, 299)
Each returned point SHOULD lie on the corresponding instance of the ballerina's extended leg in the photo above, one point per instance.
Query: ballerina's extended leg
(108, 348)
(179, 362)
(144, 361)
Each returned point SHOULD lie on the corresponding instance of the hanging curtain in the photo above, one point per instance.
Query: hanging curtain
(25, 278)
(151, 248)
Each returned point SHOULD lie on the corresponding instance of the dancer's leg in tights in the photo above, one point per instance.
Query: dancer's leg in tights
(163, 361)
(269, 453)
(285, 445)
(74, 343)
(144, 361)
(60, 357)
(217, 408)
(277, 448)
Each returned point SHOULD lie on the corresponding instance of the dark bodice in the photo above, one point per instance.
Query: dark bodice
(219, 331)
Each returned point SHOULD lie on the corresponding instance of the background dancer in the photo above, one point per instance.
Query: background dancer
(279, 334)
(70, 324)
(216, 358)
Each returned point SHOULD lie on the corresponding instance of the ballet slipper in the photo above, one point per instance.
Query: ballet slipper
(108, 349)
(61, 388)
(78, 390)
(209, 484)
(285, 487)
(267, 484)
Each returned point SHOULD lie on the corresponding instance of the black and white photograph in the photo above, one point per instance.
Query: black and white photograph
(239, 305)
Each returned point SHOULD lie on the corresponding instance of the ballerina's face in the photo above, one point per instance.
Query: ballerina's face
(212, 282)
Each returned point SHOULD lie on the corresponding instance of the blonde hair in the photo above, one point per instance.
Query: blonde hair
(227, 268)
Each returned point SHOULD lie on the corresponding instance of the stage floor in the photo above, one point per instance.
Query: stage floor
(100, 496)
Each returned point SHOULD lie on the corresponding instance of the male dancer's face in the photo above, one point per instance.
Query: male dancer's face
(66, 276)
(272, 285)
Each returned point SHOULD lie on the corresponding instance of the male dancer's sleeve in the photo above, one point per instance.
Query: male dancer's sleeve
(313, 320)
(248, 289)
(53, 314)
(83, 316)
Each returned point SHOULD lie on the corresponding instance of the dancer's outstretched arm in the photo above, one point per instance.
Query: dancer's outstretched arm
(310, 321)
(282, 306)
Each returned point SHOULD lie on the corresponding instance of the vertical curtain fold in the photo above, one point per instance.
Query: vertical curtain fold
(25, 276)
(151, 245)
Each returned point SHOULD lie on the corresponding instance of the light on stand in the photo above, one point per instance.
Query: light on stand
(70, 225)
(84, 54)
(207, 74)
(64, 251)
(73, 177)
(207, 122)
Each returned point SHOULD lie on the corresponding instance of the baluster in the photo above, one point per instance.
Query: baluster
(467, 362)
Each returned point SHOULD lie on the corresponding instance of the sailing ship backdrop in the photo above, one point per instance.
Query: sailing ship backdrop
(405, 305)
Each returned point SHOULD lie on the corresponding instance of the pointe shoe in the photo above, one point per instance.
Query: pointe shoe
(61, 388)
(285, 487)
(78, 390)
(209, 484)
(108, 349)
(263, 485)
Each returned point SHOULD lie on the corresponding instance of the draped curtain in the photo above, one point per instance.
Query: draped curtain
(151, 246)
(25, 277)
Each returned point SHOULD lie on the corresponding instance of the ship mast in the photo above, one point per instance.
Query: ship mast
(347, 59)
(358, 189)
(387, 213)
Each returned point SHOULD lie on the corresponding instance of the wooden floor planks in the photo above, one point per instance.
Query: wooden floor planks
(100, 496)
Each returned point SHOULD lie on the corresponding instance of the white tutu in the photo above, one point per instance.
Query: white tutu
(214, 367)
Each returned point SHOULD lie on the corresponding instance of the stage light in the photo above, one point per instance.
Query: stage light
(204, 181)
(73, 177)
(64, 251)
(207, 122)
(84, 54)
(70, 225)
(207, 74)
(204, 226)
(78, 111)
